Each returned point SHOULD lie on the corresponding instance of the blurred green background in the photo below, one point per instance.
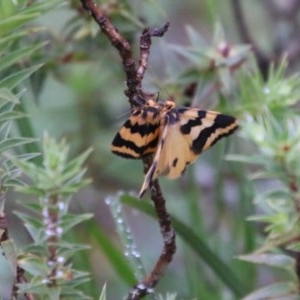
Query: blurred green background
(78, 94)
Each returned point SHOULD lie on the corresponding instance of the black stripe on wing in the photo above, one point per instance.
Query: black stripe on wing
(223, 125)
(120, 146)
(141, 129)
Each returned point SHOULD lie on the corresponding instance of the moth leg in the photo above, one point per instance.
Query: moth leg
(153, 173)
(147, 180)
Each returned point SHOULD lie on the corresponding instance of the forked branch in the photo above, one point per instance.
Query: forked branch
(134, 76)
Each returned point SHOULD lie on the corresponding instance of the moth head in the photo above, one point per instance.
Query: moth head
(145, 99)
(170, 104)
(151, 102)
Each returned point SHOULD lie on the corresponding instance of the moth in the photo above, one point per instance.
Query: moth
(176, 136)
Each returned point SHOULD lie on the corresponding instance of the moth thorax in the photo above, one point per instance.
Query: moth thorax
(169, 116)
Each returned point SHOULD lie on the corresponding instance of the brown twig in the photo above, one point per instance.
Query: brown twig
(285, 13)
(145, 44)
(19, 273)
(3, 228)
(262, 60)
(288, 45)
(240, 21)
(50, 222)
(169, 237)
(121, 44)
(134, 92)
(20, 278)
(133, 76)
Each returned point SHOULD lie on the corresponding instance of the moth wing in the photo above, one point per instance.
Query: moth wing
(171, 158)
(138, 137)
(175, 155)
(202, 129)
(180, 149)
(182, 142)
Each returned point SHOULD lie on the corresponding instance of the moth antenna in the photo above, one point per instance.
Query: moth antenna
(154, 96)
(202, 95)
(150, 176)
(160, 86)
(169, 96)
(124, 114)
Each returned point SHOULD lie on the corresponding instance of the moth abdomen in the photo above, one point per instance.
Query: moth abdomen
(194, 121)
(141, 129)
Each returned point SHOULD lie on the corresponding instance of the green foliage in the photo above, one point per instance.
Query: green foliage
(169, 296)
(113, 254)
(53, 182)
(212, 61)
(270, 119)
(103, 293)
(193, 240)
(131, 252)
(46, 259)
(82, 103)
(8, 113)
(56, 175)
(269, 115)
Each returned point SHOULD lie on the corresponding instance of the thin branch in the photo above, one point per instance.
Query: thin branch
(289, 46)
(167, 232)
(145, 44)
(121, 44)
(134, 92)
(51, 222)
(20, 278)
(262, 60)
(169, 238)
(287, 14)
(240, 21)
(134, 77)
(20, 273)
